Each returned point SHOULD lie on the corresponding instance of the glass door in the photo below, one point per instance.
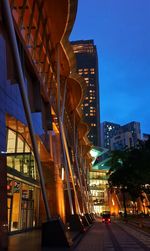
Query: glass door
(27, 212)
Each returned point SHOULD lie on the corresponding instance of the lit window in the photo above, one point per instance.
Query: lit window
(92, 71)
(109, 128)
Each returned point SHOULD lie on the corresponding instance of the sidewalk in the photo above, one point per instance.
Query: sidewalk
(31, 241)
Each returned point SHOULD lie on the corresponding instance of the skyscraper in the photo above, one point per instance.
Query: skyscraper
(87, 67)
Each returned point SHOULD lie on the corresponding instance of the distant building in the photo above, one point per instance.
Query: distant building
(87, 66)
(134, 128)
(98, 188)
(108, 130)
(115, 136)
(98, 181)
(122, 140)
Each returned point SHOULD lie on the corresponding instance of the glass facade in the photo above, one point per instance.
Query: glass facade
(98, 190)
(22, 194)
(19, 154)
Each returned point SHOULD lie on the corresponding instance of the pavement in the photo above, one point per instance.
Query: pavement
(115, 236)
(31, 241)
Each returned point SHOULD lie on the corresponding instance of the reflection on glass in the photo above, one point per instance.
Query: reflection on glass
(19, 155)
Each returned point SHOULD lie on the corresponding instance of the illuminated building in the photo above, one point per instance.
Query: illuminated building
(98, 181)
(43, 145)
(87, 66)
(98, 191)
(117, 137)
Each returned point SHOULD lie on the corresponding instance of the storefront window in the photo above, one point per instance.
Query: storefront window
(23, 205)
(22, 196)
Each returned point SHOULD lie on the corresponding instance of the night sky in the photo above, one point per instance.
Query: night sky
(121, 32)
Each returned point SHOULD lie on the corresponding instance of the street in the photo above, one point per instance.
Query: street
(109, 237)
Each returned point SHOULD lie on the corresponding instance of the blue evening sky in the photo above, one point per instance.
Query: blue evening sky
(121, 32)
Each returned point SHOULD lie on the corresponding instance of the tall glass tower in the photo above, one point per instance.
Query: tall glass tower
(87, 67)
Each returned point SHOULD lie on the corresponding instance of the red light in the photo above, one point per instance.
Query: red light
(108, 219)
(8, 187)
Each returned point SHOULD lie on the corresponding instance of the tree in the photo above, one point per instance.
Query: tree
(119, 175)
(130, 171)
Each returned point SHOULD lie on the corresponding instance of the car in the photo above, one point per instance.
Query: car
(106, 218)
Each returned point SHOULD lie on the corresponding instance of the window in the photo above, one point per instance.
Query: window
(20, 145)
(19, 154)
(11, 143)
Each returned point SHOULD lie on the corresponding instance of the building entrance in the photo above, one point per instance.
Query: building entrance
(27, 211)
(22, 204)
